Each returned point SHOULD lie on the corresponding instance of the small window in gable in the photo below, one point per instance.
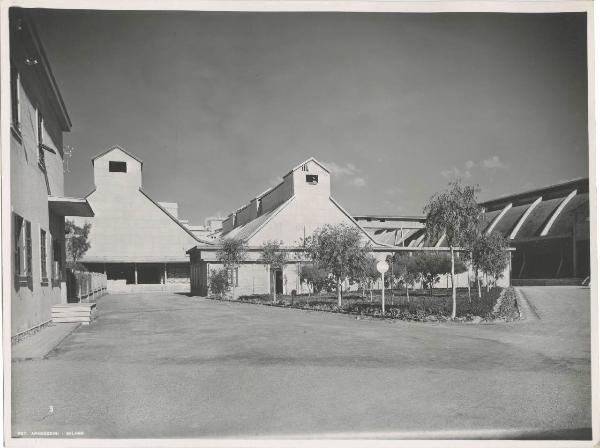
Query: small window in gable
(305, 167)
(117, 167)
(312, 179)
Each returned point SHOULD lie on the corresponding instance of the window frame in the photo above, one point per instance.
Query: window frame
(312, 179)
(115, 164)
(43, 257)
(231, 272)
(22, 251)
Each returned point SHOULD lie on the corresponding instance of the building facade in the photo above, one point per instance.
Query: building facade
(550, 229)
(286, 213)
(138, 242)
(38, 205)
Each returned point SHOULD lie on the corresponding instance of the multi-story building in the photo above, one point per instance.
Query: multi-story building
(38, 205)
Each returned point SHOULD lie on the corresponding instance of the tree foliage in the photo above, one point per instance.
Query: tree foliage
(218, 281)
(317, 278)
(232, 253)
(339, 249)
(490, 255)
(77, 243)
(453, 214)
(272, 254)
(276, 258)
(366, 274)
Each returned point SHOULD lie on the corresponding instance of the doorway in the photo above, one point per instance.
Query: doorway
(278, 281)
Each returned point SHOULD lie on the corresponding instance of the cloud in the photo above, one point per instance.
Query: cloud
(493, 163)
(349, 172)
(359, 182)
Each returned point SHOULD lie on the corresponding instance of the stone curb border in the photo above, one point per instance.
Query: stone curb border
(526, 310)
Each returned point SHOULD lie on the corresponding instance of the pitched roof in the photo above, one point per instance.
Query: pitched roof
(116, 147)
(250, 229)
(355, 223)
(310, 159)
(186, 230)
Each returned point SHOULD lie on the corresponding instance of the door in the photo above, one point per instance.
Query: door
(279, 281)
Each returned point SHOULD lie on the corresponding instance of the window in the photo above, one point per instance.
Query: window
(18, 245)
(56, 262)
(43, 256)
(312, 179)
(22, 250)
(305, 167)
(40, 141)
(15, 100)
(117, 167)
(28, 248)
(233, 275)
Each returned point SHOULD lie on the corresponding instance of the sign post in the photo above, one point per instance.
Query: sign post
(382, 267)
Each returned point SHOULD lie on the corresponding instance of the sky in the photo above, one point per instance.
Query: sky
(219, 106)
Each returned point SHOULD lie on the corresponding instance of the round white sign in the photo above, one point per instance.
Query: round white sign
(382, 267)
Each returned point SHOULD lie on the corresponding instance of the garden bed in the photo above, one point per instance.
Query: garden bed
(498, 303)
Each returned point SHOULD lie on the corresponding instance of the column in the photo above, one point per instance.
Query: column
(166, 273)
(135, 269)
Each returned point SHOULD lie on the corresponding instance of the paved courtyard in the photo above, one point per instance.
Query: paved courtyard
(168, 365)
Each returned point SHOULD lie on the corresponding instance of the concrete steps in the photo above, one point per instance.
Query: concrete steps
(83, 313)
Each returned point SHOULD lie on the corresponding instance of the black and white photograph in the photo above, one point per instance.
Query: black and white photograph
(264, 221)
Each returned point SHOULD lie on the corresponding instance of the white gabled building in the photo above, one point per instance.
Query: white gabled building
(288, 212)
(138, 242)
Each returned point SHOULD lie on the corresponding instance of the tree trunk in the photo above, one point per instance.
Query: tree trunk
(274, 286)
(339, 293)
(469, 283)
(453, 283)
(478, 285)
(407, 296)
(371, 291)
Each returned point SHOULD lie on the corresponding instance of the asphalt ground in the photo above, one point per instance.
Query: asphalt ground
(171, 366)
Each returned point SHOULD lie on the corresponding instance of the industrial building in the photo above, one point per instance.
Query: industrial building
(287, 213)
(549, 228)
(138, 242)
(290, 212)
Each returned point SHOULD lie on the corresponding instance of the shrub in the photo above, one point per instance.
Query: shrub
(218, 282)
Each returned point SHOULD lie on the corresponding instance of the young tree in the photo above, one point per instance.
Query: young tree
(340, 250)
(366, 274)
(77, 243)
(276, 258)
(218, 281)
(232, 253)
(430, 266)
(453, 214)
(318, 279)
(490, 255)
(405, 270)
